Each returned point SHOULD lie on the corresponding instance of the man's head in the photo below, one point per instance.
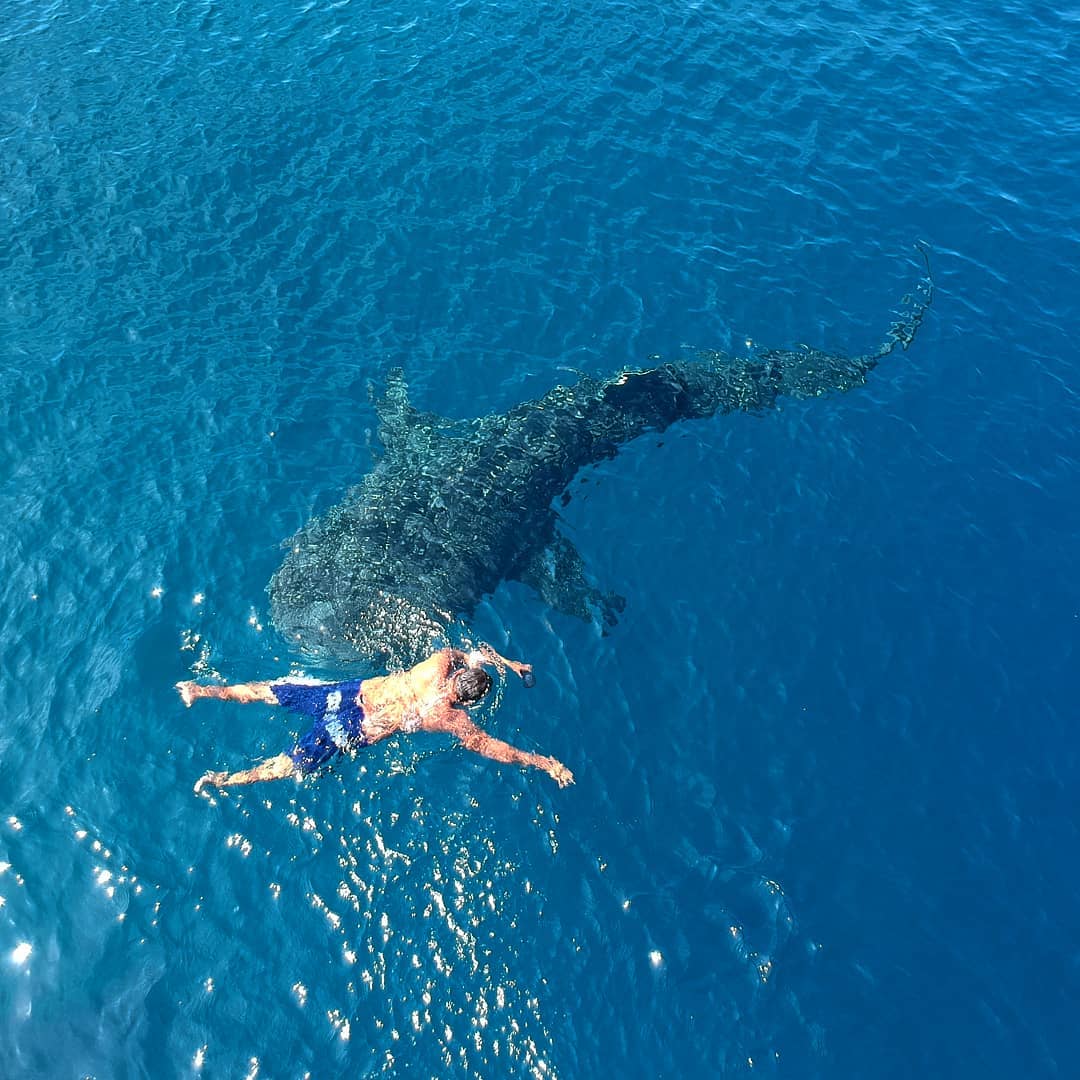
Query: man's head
(470, 685)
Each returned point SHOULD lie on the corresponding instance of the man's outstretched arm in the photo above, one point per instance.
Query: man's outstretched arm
(275, 768)
(480, 742)
(485, 654)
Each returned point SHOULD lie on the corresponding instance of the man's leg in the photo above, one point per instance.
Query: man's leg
(275, 768)
(242, 692)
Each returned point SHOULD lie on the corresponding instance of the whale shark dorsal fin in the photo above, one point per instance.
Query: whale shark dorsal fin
(402, 427)
(557, 573)
(394, 410)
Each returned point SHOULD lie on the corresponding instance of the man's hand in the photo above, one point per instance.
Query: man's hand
(210, 777)
(560, 773)
(486, 654)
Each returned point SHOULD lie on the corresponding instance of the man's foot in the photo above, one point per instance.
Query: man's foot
(188, 692)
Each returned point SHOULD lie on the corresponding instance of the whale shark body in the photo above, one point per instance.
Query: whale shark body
(457, 506)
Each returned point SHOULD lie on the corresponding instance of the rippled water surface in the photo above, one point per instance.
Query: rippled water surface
(824, 823)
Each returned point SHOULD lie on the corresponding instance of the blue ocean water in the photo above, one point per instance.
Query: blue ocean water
(824, 816)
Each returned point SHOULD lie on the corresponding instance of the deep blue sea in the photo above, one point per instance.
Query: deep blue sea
(825, 818)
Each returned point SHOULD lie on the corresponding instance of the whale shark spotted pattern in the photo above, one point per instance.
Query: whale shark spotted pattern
(456, 506)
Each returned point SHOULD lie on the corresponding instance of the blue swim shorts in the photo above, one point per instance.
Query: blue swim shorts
(337, 716)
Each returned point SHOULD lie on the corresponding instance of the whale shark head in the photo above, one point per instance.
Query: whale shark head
(361, 620)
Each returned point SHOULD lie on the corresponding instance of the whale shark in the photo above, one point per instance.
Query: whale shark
(454, 507)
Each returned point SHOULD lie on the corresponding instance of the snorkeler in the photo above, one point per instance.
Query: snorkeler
(349, 715)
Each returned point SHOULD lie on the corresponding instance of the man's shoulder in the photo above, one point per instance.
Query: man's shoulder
(441, 716)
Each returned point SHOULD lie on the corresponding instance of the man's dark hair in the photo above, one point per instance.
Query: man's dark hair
(471, 685)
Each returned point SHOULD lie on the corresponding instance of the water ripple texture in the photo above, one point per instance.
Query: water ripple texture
(824, 812)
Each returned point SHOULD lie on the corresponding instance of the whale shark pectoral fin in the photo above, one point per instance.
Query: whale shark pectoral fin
(557, 573)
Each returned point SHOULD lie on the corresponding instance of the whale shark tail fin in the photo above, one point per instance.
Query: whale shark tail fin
(913, 309)
(806, 372)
